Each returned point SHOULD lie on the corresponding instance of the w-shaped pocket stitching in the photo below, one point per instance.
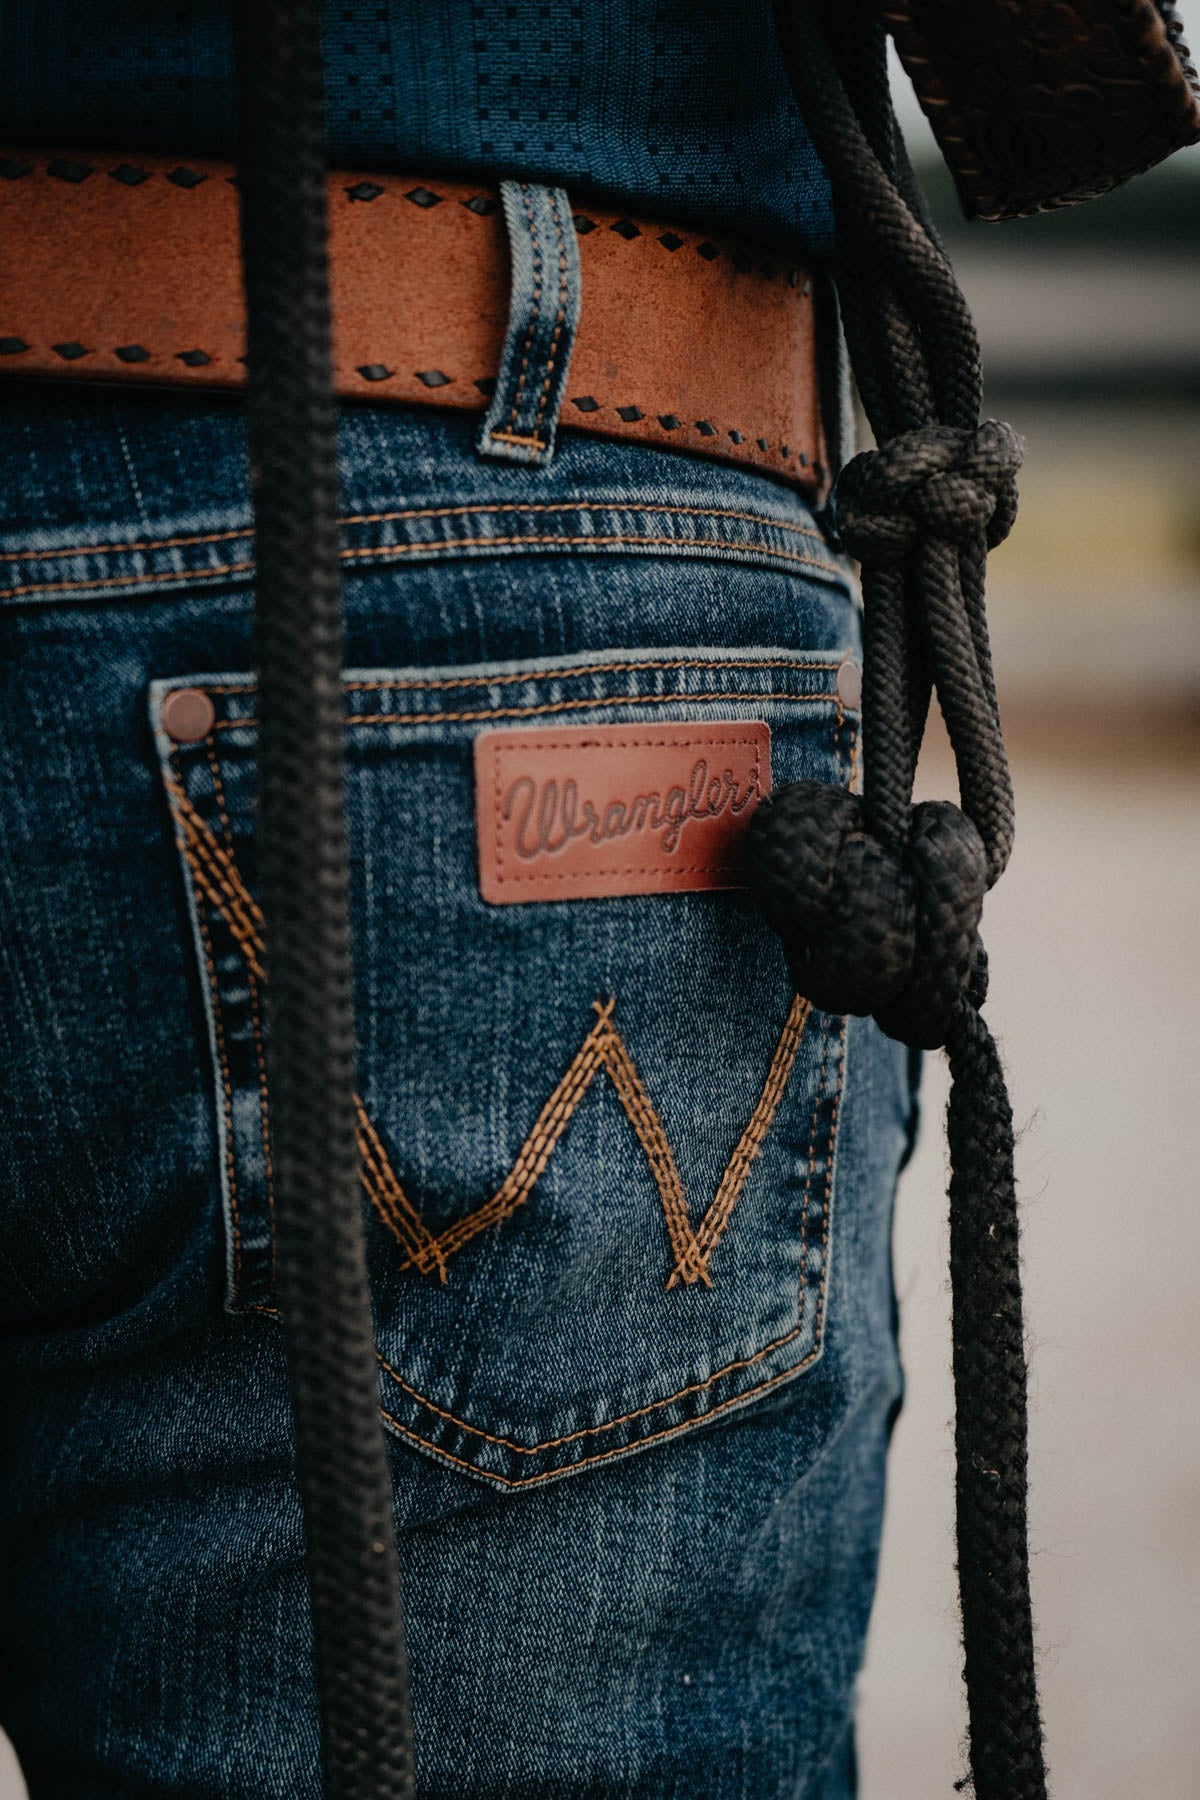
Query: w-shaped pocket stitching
(585, 1307)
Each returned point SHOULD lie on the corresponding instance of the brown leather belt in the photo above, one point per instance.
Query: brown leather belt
(128, 269)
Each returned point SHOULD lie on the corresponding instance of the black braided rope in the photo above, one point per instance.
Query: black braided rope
(878, 901)
(361, 1670)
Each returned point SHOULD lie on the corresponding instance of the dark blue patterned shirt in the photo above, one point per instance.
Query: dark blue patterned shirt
(679, 108)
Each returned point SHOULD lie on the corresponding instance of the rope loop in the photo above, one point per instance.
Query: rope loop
(938, 480)
(867, 931)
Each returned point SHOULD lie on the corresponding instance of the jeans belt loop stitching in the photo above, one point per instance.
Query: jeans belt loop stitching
(521, 421)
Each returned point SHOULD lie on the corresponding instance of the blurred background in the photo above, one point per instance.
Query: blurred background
(1090, 323)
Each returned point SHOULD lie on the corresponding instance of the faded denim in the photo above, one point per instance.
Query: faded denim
(639, 1519)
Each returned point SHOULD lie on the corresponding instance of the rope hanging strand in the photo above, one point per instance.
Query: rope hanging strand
(359, 1651)
(878, 901)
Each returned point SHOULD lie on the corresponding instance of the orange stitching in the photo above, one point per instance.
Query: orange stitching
(171, 543)
(519, 437)
(729, 1368)
(227, 1090)
(826, 667)
(226, 870)
(210, 751)
(254, 983)
(400, 550)
(589, 538)
(719, 1213)
(556, 706)
(107, 581)
(605, 1045)
(545, 506)
(388, 1197)
(534, 1153)
(228, 895)
(651, 1437)
(682, 1393)
(642, 1115)
(224, 892)
(218, 899)
(735, 697)
(424, 512)
(226, 1083)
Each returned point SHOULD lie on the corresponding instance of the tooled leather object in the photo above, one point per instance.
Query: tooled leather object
(128, 269)
(1038, 104)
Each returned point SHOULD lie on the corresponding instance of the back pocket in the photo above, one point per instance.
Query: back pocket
(598, 1132)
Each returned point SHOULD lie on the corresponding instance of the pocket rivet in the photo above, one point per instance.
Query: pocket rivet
(849, 683)
(188, 715)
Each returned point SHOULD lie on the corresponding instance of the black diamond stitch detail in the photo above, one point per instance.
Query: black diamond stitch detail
(186, 178)
(13, 171)
(364, 190)
(668, 421)
(130, 353)
(129, 175)
(737, 437)
(804, 459)
(69, 171)
(12, 346)
(69, 352)
(669, 241)
(786, 453)
(762, 444)
(375, 372)
(630, 413)
(195, 359)
(742, 263)
(433, 378)
(487, 385)
(708, 251)
(706, 429)
(625, 228)
(586, 404)
(421, 196)
(482, 204)
(582, 224)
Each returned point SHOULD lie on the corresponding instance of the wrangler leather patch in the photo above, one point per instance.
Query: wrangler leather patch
(584, 812)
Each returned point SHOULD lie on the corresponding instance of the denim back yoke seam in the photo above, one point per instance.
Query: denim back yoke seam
(728, 534)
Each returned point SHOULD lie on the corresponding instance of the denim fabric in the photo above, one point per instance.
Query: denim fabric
(638, 1519)
(678, 108)
(543, 312)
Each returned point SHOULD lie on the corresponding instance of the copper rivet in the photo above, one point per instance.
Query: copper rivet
(849, 684)
(188, 715)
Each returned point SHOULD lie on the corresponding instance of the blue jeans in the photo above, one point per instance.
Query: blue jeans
(638, 1514)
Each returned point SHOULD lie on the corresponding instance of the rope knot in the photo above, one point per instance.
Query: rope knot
(948, 483)
(867, 931)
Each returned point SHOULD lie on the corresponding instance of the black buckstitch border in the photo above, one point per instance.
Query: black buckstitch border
(481, 205)
(587, 404)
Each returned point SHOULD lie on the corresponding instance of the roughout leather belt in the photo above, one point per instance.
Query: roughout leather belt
(128, 269)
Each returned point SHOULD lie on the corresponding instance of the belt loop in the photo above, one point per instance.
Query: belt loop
(521, 421)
